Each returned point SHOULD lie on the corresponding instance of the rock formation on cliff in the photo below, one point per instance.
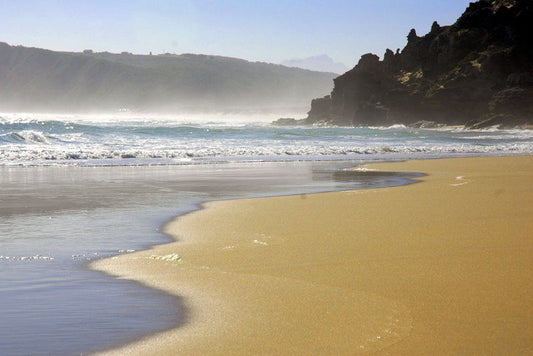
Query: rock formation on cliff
(477, 72)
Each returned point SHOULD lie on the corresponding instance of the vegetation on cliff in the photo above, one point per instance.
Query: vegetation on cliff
(477, 72)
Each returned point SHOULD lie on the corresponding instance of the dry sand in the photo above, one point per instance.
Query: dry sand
(441, 267)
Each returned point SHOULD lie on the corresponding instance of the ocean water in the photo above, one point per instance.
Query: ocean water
(117, 140)
(76, 188)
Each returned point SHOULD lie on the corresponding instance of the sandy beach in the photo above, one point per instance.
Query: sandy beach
(441, 266)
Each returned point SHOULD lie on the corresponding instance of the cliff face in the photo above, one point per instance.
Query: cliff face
(478, 72)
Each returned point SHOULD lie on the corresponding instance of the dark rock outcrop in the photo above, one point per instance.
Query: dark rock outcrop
(476, 72)
(289, 121)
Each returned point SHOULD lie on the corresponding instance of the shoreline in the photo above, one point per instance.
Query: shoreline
(73, 215)
(224, 279)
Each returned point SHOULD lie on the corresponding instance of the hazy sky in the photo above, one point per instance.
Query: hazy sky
(262, 30)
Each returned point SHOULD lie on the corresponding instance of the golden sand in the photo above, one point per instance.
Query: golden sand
(440, 267)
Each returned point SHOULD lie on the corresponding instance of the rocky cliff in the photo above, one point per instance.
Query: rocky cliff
(477, 72)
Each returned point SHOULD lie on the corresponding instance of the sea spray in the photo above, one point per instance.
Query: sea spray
(102, 141)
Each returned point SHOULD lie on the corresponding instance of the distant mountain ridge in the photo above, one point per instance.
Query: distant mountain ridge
(477, 72)
(322, 63)
(37, 79)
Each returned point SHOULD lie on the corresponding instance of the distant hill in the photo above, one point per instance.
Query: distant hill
(322, 63)
(477, 72)
(33, 79)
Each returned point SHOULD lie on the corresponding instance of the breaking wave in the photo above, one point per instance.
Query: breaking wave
(52, 140)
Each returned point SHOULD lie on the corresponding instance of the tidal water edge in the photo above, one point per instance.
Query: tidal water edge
(54, 219)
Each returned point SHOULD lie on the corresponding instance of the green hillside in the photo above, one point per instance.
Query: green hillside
(37, 79)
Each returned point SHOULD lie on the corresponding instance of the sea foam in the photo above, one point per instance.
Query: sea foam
(84, 140)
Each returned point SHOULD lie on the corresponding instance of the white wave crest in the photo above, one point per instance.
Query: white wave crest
(26, 136)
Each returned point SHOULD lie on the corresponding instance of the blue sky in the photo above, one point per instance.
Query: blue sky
(267, 30)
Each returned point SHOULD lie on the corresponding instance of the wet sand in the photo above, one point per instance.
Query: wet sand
(442, 267)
